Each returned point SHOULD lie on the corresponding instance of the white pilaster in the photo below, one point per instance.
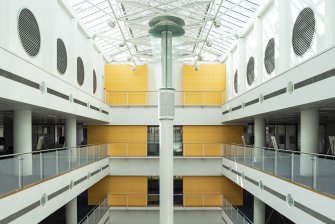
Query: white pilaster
(283, 37)
(329, 23)
(22, 137)
(242, 66)
(259, 51)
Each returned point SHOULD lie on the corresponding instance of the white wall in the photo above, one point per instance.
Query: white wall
(152, 216)
(149, 166)
(148, 115)
(54, 22)
(277, 21)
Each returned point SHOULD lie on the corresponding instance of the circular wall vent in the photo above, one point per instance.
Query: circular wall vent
(61, 56)
(236, 81)
(80, 71)
(303, 31)
(29, 32)
(251, 70)
(94, 81)
(269, 56)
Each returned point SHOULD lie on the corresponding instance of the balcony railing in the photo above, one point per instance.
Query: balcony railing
(235, 215)
(316, 171)
(18, 171)
(143, 149)
(95, 215)
(186, 200)
(150, 98)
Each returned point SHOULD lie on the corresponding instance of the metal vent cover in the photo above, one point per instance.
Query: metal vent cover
(94, 81)
(236, 81)
(80, 71)
(61, 56)
(303, 31)
(251, 70)
(29, 32)
(269, 56)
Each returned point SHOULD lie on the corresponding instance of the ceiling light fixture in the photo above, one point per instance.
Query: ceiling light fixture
(209, 43)
(111, 23)
(217, 23)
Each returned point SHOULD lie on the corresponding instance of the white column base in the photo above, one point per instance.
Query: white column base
(259, 211)
(71, 211)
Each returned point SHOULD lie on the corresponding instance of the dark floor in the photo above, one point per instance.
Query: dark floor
(58, 217)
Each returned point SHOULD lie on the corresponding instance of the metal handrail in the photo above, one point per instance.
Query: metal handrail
(101, 203)
(47, 150)
(284, 150)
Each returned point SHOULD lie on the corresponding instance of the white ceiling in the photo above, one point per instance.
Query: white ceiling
(128, 40)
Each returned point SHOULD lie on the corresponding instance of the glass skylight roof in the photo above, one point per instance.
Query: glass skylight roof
(120, 27)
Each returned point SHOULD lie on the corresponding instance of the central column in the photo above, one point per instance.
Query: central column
(165, 28)
(166, 116)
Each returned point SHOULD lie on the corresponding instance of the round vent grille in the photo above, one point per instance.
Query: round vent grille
(269, 57)
(61, 56)
(94, 81)
(303, 31)
(29, 32)
(236, 82)
(251, 70)
(80, 71)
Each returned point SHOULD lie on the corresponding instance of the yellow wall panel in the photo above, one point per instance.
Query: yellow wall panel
(123, 140)
(126, 86)
(207, 191)
(123, 191)
(206, 86)
(207, 140)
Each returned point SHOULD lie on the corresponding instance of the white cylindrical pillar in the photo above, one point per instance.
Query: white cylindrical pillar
(166, 171)
(80, 134)
(71, 132)
(259, 132)
(71, 137)
(259, 211)
(22, 136)
(166, 115)
(309, 132)
(283, 36)
(71, 211)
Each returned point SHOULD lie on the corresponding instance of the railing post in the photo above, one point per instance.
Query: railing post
(263, 160)
(20, 172)
(79, 156)
(203, 150)
(87, 152)
(314, 172)
(275, 162)
(127, 149)
(127, 99)
(127, 197)
(57, 162)
(292, 166)
(41, 166)
(202, 98)
(244, 148)
(203, 200)
(69, 158)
